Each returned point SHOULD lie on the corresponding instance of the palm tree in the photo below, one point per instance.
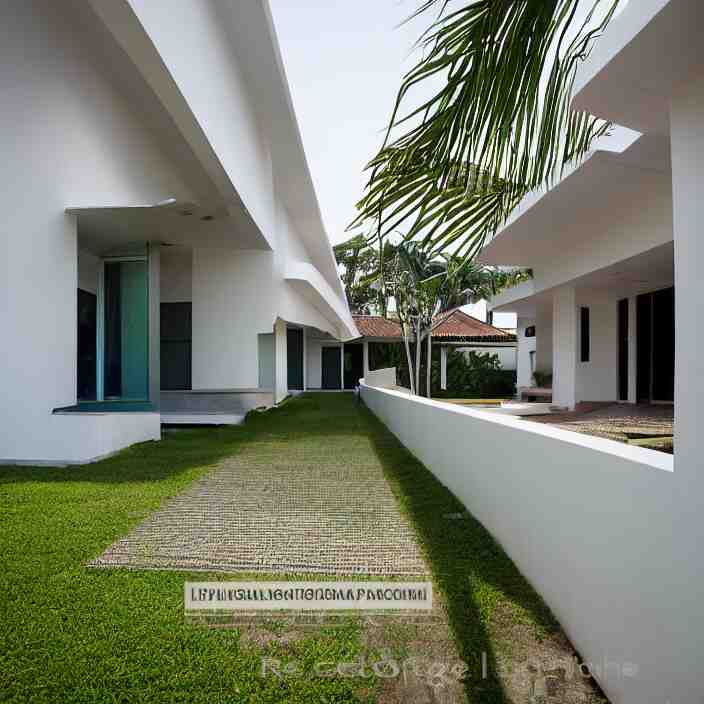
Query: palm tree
(499, 127)
(425, 287)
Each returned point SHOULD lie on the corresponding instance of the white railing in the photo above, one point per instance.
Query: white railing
(588, 521)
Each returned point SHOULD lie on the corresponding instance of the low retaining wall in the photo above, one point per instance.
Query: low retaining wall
(599, 528)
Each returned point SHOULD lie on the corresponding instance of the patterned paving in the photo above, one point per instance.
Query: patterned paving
(616, 421)
(296, 503)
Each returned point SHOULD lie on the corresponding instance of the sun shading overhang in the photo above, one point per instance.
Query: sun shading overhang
(645, 53)
(554, 219)
(306, 280)
(103, 229)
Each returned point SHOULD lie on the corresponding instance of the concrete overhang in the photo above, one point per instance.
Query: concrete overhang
(545, 220)
(648, 271)
(102, 229)
(644, 55)
(305, 279)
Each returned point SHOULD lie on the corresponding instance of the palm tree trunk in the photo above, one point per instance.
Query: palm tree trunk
(427, 370)
(409, 359)
(418, 349)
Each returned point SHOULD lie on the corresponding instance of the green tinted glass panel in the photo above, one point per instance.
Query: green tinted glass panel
(126, 330)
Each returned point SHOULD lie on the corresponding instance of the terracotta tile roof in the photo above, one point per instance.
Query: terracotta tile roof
(377, 326)
(453, 324)
(457, 324)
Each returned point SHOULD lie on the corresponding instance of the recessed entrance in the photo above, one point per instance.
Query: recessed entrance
(656, 346)
(354, 365)
(331, 368)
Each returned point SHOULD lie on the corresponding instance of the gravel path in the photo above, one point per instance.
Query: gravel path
(288, 502)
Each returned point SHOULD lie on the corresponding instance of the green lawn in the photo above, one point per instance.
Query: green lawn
(73, 634)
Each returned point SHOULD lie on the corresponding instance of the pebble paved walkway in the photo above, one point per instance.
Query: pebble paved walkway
(309, 499)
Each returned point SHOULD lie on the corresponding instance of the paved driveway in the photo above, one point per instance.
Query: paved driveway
(307, 496)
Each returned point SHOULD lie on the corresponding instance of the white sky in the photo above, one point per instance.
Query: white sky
(345, 60)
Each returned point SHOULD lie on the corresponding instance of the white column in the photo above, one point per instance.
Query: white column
(632, 349)
(443, 368)
(365, 358)
(280, 361)
(564, 347)
(687, 133)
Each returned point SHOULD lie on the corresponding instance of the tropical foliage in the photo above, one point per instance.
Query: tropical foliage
(423, 287)
(454, 166)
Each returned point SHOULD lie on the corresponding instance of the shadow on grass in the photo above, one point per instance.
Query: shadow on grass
(182, 450)
(473, 572)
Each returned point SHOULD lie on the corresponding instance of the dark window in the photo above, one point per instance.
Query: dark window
(294, 353)
(87, 326)
(623, 349)
(331, 368)
(176, 345)
(585, 341)
(530, 331)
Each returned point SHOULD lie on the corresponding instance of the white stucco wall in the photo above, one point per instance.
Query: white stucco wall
(606, 533)
(176, 275)
(203, 61)
(597, 379)
(69, 137)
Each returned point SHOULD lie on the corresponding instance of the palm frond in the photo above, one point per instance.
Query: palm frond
(500, 125)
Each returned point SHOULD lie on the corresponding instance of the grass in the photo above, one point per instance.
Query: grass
(73, 634)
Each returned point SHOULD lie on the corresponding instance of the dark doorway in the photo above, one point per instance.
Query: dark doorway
(87, 332)
(176, 346)
(656, 346)
(664, 345)
(354, 365)
(623, 349)
(294, 354)
(331, 368)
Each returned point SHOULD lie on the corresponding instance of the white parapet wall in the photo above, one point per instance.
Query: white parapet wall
(599, 528)
(80, 438)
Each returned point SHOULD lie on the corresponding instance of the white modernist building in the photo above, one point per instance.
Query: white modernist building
(617, 249)
(164, 257)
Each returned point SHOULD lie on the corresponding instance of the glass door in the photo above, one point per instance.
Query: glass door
(125, 330)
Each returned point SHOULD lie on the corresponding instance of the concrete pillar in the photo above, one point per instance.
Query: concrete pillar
(155, 323)
(280, 361)
(687, 139)
(564, 344)
(443, 368)
(365, 358)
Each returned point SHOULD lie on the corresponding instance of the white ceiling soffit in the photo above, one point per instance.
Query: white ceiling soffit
(103, 228)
